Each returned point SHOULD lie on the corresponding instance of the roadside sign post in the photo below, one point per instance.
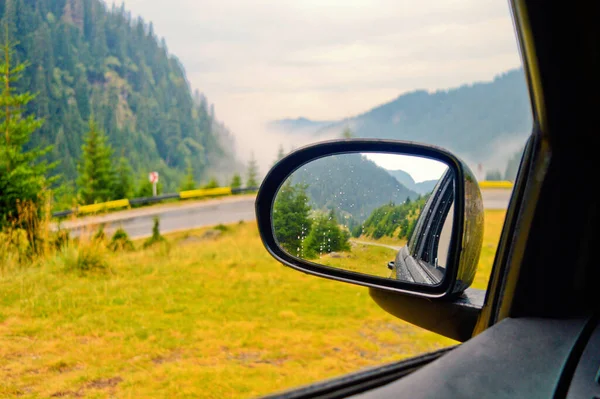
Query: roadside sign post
(153, 177)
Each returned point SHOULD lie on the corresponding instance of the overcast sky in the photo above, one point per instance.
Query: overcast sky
(327, 59)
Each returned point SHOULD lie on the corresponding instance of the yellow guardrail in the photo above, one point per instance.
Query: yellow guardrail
(205, 192)
(122, 203)
(495, 184)
(208, 192)
(125, 203)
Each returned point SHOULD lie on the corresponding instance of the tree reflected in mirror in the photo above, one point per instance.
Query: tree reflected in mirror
(385, 215)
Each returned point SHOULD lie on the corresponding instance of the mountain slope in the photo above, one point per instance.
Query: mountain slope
(482, 122)
(87, 60)
(350, 184)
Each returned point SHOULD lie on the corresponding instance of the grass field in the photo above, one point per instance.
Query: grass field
(200, 317)
(362, 258)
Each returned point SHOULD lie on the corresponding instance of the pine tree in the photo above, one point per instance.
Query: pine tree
(347, 133)
(291, 223)
(280, 154)
(212, 183)
(236, 181)
(325, 236)
(22, 172)
(96, 174)
(123, 187)
(252, 172)
(189, 182)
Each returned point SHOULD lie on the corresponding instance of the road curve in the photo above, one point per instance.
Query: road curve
(189, 215)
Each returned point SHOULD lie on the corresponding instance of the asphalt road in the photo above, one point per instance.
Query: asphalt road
(188, 215)
(494, 198)
(138, 222)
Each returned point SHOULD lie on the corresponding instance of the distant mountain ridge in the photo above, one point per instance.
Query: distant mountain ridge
(406, 180)
(483, 122)
(299, 124)
(350, 184)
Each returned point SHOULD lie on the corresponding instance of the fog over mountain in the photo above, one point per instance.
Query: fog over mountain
(484, 123)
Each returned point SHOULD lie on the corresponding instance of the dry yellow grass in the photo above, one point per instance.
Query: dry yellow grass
(200, 317)
(494, 220)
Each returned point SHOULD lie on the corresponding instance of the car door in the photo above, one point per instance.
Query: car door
(423, 260)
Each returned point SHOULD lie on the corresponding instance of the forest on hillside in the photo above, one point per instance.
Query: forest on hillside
(85, 60)
(483, 123)
(350, 184)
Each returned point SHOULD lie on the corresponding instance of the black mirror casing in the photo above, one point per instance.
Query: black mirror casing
(467, 229)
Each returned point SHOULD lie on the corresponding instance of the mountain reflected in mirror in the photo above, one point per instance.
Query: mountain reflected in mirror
(384, 215)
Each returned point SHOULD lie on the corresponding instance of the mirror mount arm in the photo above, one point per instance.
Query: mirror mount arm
(454, 317)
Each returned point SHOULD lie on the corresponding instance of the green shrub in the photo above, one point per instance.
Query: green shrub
(61, 238)
(221, 227)
(84, 258)
(120, 241)
(100, 235)
(156, 237)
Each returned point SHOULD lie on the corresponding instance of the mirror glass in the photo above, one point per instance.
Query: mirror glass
(384, 215)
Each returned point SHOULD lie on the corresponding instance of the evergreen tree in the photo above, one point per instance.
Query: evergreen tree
(87, 58)
(512, 168)
(22, 172)
(212, 183)
(123, 187)
(96, 174)
(347, 133)
(291, 223)
(280, 154)
(326, 236)
(144, 188)
(189, 182)
(252, 172)
(236, 181)
(493, 175)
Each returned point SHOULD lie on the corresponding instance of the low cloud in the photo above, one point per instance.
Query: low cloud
(326, 59)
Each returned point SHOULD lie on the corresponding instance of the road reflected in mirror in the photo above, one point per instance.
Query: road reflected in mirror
(383, 215)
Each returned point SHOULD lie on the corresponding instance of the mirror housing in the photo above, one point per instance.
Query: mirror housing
(467, 228)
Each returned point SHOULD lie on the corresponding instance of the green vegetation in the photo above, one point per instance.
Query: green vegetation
(347, 133)
(123, 187)
(392, 220)
(23, 184)
(493, 175)
(212, 183)
(325, 236)
(472, 120)
(351, 184)
(236, 181)
(216, 318)
(99, 235)
(88, 60)
(156, 237)
(366, 259)
(189, 182)
(85, 259)
(96, 174)
(144, 187)
(280, 154)
(291, 222)
(252, 172)
(120, 241)
(304, 232)
(513, 166)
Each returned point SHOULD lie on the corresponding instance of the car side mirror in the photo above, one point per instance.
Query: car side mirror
(391, 215)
